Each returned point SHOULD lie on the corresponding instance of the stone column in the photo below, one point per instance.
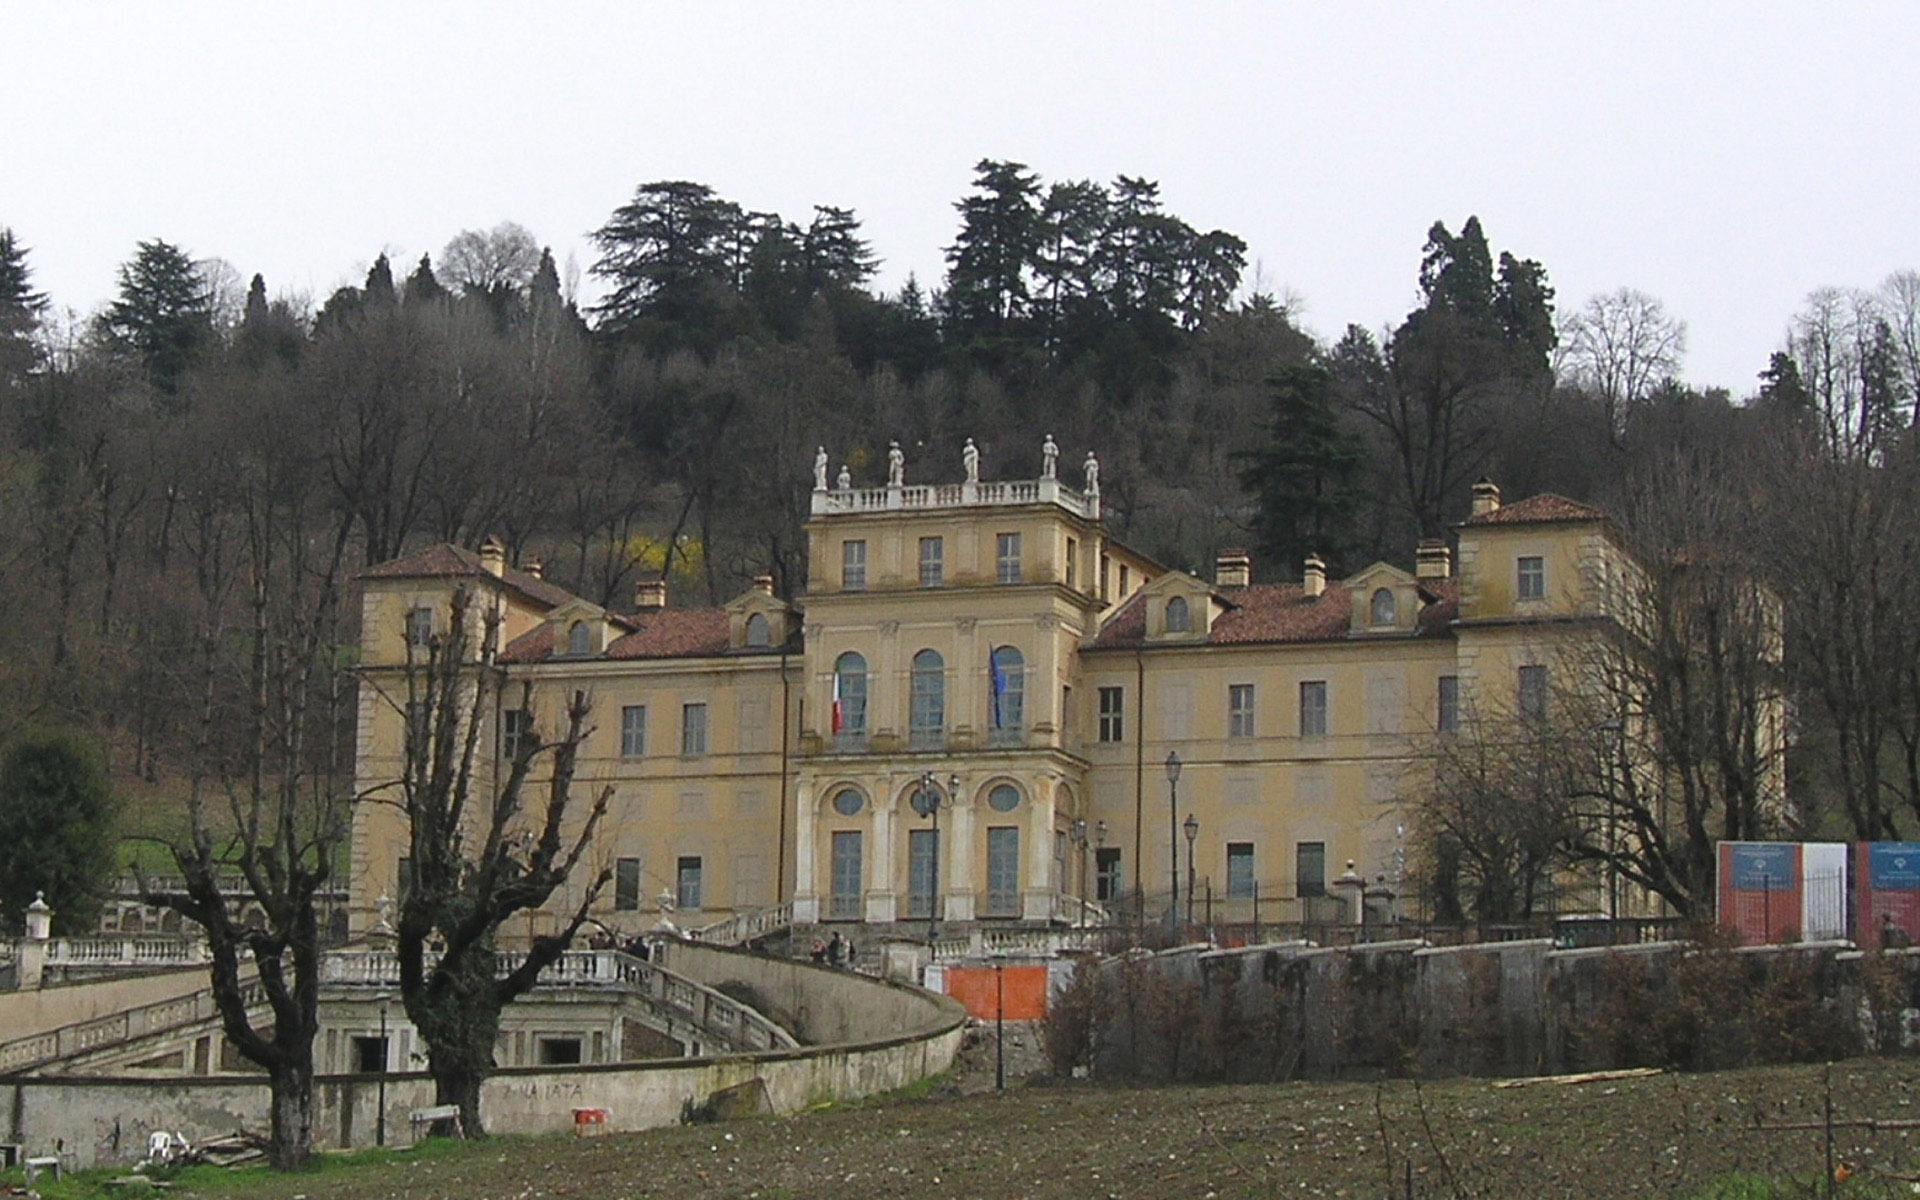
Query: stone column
(806, 899)
(1036, 901)
(880, 894)
(32, 960)
(1349, 888)
(956, 860)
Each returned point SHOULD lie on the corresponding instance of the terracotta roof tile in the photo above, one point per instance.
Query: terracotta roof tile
(1274, 613)
(1538, 510)
(447, 561)
(662, 633)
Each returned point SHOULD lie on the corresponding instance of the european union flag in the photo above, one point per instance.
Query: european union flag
(997, 679)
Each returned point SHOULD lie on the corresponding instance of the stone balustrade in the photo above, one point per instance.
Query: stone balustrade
(742, 928)
(1000, 494)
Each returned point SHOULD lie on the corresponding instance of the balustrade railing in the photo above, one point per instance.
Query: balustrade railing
(745, 927)
(956, 495)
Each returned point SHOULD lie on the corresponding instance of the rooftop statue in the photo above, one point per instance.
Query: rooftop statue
(1049, 458)
(896, 465)
(820, 470)
(845, 482)
(1093, 474)
(970, 459)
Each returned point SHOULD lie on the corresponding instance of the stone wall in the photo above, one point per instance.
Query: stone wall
(871, 1037)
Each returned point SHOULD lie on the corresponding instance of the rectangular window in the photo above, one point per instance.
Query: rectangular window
(419, 626)
(1448, 720)
(1003, 871)
(1533, 693)
(1310, 869)
(1239, 870)
(1073, 563)
(626, 884)
(369, 1055)
(1532, 579)
(633, 731)
(1006, 560)
(1106, 874)
(515, 725)
(1313, 708)
(844, 899)
(920, 846)
(686, 880)
(693, 730)
(853, 566)
(1106, 565)
(933, 557)
(1113, 704)
(1240, 710)
(1123, 582)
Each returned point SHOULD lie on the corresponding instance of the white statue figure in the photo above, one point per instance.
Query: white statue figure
(820, 470)
(896, 465)
(970, 459)
(845, 481)
(1093, 474)
(1049, 458)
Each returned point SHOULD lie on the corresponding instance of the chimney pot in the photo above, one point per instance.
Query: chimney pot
(493, 557)
(1433, 560)
(1486, 497)
(535, 568)
(1232, 568)
(650, 594)
(1313, 580)
(763, 584)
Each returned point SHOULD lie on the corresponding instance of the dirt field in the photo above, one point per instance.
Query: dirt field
(1685, 1136)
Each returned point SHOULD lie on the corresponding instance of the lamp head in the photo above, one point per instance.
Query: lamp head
(1192, 826)
(1173, 766)
(1100, 833)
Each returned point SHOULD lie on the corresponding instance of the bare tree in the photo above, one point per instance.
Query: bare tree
(490, 262)
(266, 741)
(1620, 346)
(478, 853)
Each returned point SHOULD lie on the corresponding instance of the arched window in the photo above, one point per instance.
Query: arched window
(1179, 620)
(1383, 606)
(1004, 799)
(928, 717)
(848, 802)
(849, 695)
(757, 633)
(577, 638)
(1008, 700)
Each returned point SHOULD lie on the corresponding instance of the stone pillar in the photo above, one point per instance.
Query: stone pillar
(1378, 902)
(880, 894)
(806, 899)
(32, 960)
(1036, 901)
(956, 860)
(1349, 887)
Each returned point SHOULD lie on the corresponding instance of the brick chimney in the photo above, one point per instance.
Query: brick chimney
(1486, 497)
(1232, 568)
(1433, 560)
(493, 557)
(1313, 580)
(763, 584)
(650, 594)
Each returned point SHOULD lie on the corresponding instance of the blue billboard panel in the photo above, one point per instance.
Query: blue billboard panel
(1762, 866)
(1893, 866)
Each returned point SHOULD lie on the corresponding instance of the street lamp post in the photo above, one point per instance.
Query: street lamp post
(386, 1060)
(1193, 831)
(1173, 835)
(1099, 844)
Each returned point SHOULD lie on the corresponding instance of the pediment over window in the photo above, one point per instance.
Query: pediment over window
(1180, 608)
(759, 620)
(582, 629)
(1386, 601)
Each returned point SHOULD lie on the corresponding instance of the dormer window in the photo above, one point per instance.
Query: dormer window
(1383, 610)
(1179, 619)
(758, 634)
(579, 639)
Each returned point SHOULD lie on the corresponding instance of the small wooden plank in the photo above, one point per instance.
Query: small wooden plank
(1582, 1077)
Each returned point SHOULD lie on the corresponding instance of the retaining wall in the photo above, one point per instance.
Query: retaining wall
(874, 1037)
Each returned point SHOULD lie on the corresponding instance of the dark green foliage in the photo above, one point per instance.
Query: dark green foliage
(20, 310)
(422, 286)
(378, 292)
(58, 823)
(164, 313)
(1302, 477)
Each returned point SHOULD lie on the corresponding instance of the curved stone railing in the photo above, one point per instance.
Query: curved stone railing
(745, 927)
(148, 1020)
(128, 951)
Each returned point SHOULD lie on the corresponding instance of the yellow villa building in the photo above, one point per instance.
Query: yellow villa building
(985, 656)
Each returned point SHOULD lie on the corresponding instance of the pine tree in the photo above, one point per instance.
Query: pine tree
(20, 310)
(423, 287)
(164, 312)
(1000, 234)
(379, 291)
(1301, 479)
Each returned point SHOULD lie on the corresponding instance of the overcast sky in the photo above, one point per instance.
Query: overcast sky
(1726, 158)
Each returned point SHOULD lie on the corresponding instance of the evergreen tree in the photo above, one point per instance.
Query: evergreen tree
(987, 291)
(379, 291)
(836, 256)
(57, 827)
(269, 330)
(164, 313)
(423, 287)
(255, 311)
(20, 310)
(1301, 478)
(1782, 391)
(664, 253)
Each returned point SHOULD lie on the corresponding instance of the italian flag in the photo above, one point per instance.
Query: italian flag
(836, 702)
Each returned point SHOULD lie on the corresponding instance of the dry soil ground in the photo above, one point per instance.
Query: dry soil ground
(1686, 1136)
